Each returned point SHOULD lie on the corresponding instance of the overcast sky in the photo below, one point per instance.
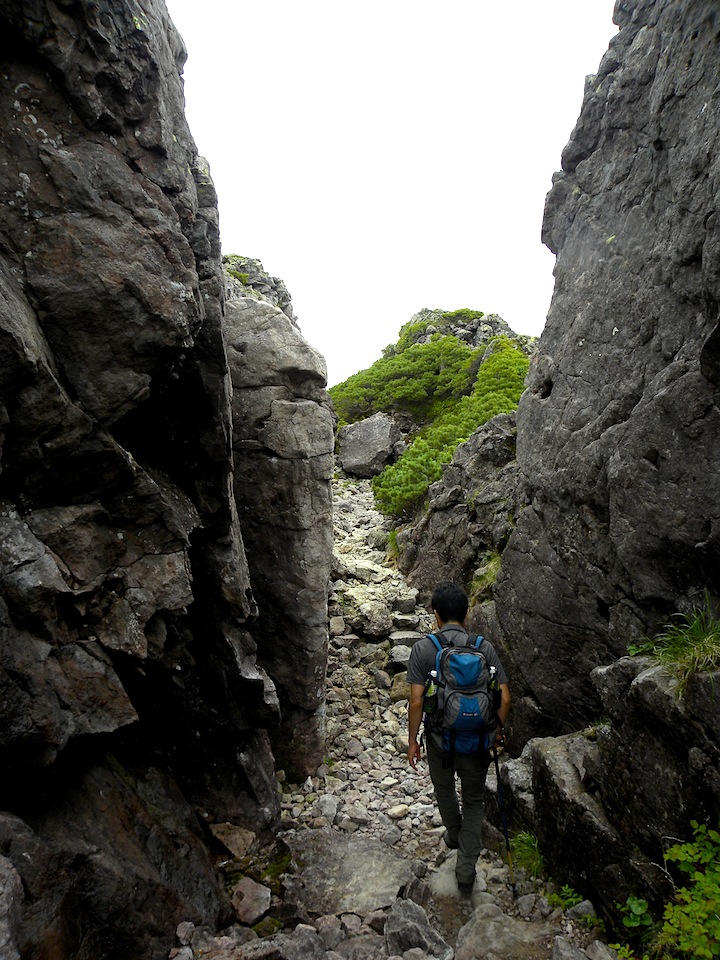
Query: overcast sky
(385, 156)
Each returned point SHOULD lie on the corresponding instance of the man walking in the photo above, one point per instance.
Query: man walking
(463, 828)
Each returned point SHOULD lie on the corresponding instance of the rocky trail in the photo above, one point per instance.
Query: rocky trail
(359, 870)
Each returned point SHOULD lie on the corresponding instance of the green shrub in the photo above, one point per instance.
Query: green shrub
(691, 923)
(689, 645)
(413, 382)
(400, 488)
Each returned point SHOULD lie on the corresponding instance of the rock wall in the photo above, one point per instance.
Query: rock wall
(283, 461)
(134, 711)
(619, 428)
(618, 445)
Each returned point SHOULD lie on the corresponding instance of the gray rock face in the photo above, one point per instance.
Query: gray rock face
(368, 446)
(345, 874)
(283, 457)
(247, 277)
(133, 703)
(619, 429)
(601, 800)
(11, 896)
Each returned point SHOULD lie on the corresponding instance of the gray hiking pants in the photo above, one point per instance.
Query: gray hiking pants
(464, 827)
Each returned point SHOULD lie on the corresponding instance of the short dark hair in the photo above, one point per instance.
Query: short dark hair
(450, 601)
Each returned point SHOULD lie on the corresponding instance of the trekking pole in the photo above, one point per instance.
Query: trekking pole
(503, 817)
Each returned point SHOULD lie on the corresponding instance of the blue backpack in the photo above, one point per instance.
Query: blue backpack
(465, 713)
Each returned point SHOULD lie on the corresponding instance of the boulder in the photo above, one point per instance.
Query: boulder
(344, 874)
(489, 932)
(407, 927)
(365, 448)
(251, 900)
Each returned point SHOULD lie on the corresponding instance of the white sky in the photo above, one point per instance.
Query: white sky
(389, 155)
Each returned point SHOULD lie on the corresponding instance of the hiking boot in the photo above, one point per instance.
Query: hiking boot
(450, 844)
(466, 886)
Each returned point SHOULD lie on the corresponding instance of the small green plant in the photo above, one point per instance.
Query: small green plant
(635, 914)
(691, 923)
(689, 645)
(242, 277)
(527, 855)
(638, 922)
(624, 952)
(566, 898)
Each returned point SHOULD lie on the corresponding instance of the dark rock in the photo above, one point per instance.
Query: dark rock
(76, 879)
(365, 448)
(618, 443)
(134, 707)
(407, 926)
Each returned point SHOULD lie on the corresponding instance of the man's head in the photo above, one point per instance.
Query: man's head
(450, 602)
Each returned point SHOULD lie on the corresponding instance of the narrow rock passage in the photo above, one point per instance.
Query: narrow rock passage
(369, 875)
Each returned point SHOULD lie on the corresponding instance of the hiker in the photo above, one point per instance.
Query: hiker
(446, 755)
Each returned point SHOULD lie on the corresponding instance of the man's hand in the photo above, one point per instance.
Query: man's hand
(413, 753)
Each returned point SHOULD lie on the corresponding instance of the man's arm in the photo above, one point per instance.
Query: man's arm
(415, 711)
(503, 709)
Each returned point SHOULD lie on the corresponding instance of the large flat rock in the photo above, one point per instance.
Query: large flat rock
(341, 874)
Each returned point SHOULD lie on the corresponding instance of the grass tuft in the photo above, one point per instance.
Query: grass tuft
(527, 855)
(688, 645)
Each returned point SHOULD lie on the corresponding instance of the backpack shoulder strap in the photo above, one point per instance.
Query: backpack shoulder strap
(438, 644)
(478, 641)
